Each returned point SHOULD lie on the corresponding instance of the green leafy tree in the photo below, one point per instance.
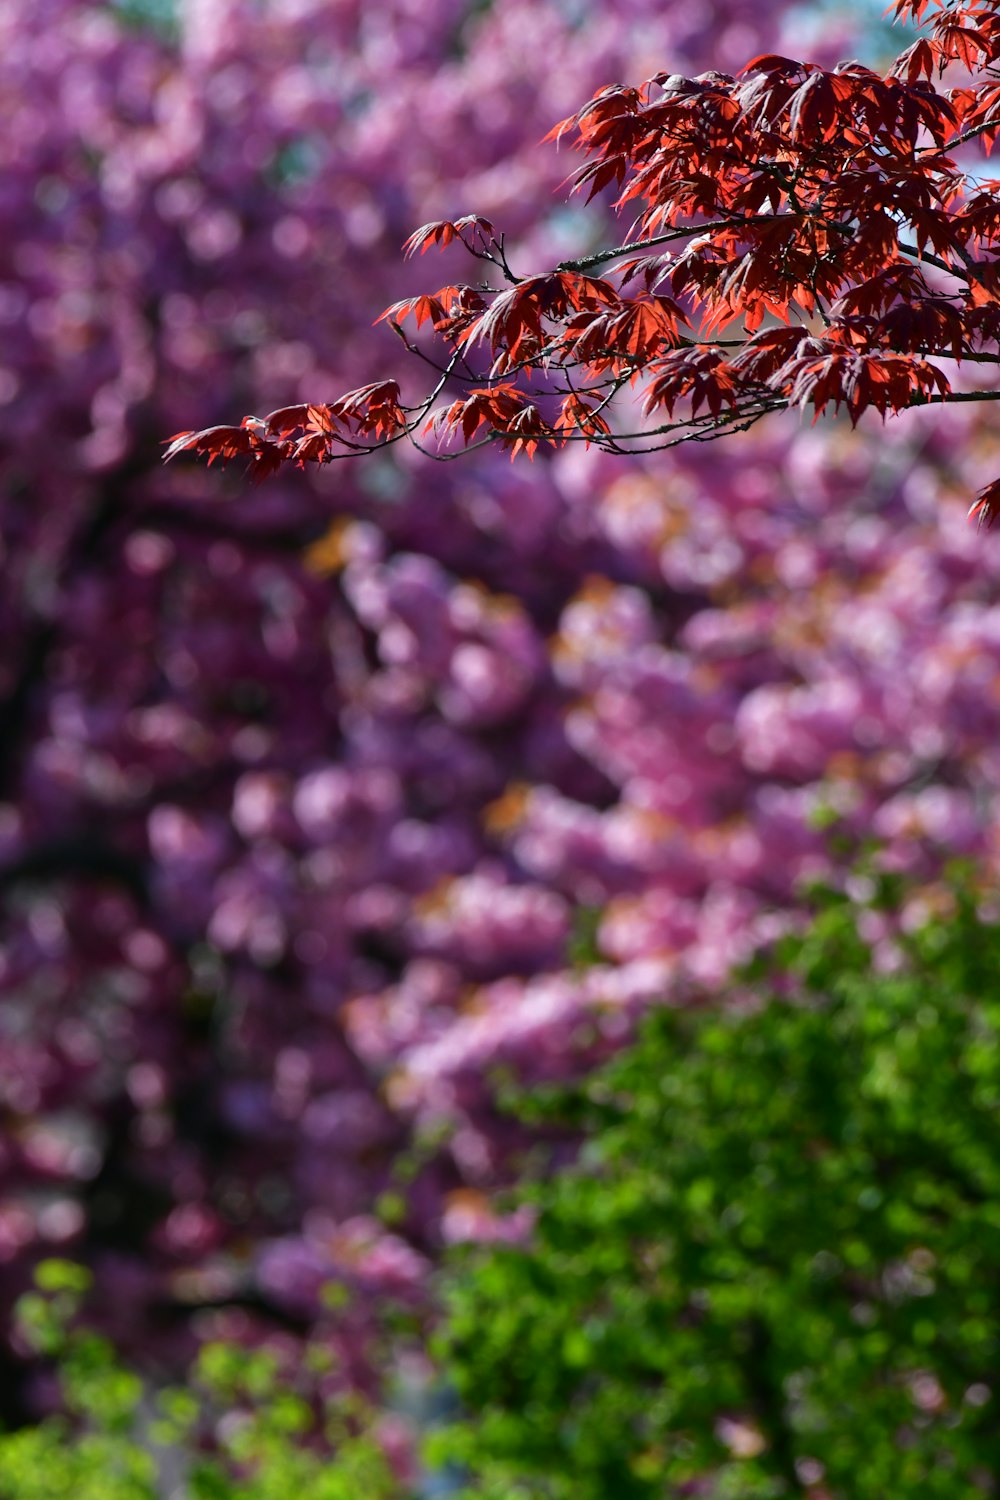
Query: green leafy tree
(774, 1269)
(250, 1425)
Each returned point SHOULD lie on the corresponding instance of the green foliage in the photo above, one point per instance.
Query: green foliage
(149, 15)
(775, 1268)
(250, 1427)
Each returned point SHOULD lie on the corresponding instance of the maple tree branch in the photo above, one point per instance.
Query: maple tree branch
(930, 259)
(968, 135)
(831, 311)
(973, 356)
(700, 427)
(953, 396)
(601, 257)
(447, 458)
(738, 422)
(440, 369)
(504, 266)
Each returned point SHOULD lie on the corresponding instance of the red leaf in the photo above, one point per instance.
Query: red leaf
(986, 508)
(440, 232)
(918, 61)
(216, 442)
(286, 419)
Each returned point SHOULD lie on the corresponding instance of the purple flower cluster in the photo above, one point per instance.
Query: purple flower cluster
(311, 797)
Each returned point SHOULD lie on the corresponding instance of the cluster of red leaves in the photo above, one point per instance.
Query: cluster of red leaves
(799, 237)
(357, 421)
